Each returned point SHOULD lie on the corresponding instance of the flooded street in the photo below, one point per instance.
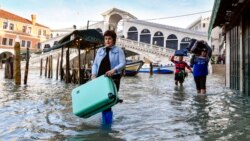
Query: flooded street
(153, 109)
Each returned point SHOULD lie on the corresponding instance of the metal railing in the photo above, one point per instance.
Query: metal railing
(157, 50)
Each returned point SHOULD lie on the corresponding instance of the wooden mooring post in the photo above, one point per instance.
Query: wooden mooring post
(17, 64)
(51, 67)
(41, 67)
(46, 65)
(57, 66)
(67, 79)
(61, 65)
(26, 67)
(151, 68)
(9, 69)
(1, 64)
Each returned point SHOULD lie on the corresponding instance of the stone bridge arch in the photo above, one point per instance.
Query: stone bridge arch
(113, 16)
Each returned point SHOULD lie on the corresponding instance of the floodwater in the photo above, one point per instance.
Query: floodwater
(153, 109)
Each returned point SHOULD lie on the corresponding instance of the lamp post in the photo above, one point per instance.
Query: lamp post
(17, 61)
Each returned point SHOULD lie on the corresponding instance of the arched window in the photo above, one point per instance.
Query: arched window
(133, 33)
(158, 39)
(145, 36)
(172, 42)
(184, 42)
(99, 30)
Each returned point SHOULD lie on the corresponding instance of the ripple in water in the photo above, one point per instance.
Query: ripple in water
(153, 109)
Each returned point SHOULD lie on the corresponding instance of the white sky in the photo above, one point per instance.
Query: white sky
(66, 13)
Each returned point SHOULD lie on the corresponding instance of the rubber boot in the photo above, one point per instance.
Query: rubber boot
(107, 117)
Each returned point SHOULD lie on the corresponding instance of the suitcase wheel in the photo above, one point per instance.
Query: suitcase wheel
(111, 96)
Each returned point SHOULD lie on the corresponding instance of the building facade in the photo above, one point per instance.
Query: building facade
(233, 17)
(30, 33)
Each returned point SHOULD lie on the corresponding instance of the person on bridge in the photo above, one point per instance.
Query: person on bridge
(200, 70)
(109, 60)
(180, 73)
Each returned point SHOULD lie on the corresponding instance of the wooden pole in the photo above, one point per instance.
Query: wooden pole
(11, 68)
(17, 71)
(1, 64)
(51, 66)
(151, 68)
(79, 66)
(41, 67)
(26, 67)
(61, 65)
(46, 65)
(7, 68)
(57, 66)
(67, 66)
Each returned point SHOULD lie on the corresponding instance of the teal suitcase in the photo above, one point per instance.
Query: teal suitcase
(94, 96)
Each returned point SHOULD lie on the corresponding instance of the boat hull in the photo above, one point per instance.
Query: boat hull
(158, 70)
(133, 68)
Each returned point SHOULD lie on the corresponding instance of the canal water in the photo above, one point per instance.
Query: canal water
(153, 109)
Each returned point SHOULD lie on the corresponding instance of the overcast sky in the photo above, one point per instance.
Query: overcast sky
(66, 13)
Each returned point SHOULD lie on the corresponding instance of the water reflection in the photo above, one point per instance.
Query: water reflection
(153, 109)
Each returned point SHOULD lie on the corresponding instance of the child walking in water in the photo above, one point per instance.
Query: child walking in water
(180, 66)
(200, 70)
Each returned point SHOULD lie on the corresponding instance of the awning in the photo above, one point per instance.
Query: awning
(214, 16)
(226, 11)
(83, 39)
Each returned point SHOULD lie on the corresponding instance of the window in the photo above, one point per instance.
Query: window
(5, 25)
(28, 44)
(10, 42)
(29, 30)
(39, 32)
(24, 29)
(204, 25)
(11, 26)
(44, 32)
(39, 45)
(23, 43)
(4, 41)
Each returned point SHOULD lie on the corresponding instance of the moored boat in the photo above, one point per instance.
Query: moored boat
(132, 68)
(157, 69)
